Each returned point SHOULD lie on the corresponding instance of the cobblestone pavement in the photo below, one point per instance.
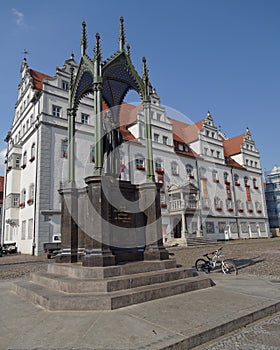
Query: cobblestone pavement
(264, 335)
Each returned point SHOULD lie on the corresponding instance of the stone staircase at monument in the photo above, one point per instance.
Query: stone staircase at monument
(74, 287)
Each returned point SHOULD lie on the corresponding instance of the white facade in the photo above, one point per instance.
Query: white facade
(198, 199)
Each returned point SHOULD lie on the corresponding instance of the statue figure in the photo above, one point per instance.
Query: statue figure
(112, 139)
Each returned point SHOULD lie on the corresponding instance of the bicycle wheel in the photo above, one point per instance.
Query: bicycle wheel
(201, 265)
(229, 267)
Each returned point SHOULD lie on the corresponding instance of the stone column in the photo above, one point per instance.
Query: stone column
(150, 205)
(183, 229)
(82, 218)
(97, 250)
(69, 227)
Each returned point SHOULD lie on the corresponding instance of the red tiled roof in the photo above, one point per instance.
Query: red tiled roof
(232, 163)
(187, 133)
(38, 79)
(233, 145)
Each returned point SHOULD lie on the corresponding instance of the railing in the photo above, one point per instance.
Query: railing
(179, 204)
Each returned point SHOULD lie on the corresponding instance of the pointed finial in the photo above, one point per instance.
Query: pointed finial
(145, 72)
(97, 48)
(128, 50)
(71, 77)
(84, 39)
(122, 34)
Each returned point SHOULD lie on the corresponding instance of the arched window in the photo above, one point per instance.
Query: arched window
(246, 181)
(189, 170)
(215, 176)
(236, 180)
(255, 184)
(218, 204)
(240, 206)
(174, 168)
(64, 148)
(24, 160)
(22, 198)
(258, 207)
(226, 178)
(202, 172)
(31, 195)
(32, 152)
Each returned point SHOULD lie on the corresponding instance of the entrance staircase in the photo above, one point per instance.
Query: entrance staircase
(74, 287)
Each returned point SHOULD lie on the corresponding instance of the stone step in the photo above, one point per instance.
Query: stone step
(76, 285)
(56, 300)
(78, 271)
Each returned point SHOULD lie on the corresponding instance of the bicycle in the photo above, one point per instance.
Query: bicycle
(227, 266)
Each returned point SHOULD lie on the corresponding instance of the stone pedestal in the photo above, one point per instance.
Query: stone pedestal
(150, 205)
(69, 228)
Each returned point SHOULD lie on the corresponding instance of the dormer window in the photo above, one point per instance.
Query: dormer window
(65, 85)
(56, 111)
(156, 137)
(84, 118)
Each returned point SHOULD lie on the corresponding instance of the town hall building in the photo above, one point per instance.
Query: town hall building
(211, 185)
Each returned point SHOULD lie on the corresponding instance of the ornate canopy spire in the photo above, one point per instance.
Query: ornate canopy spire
(84, 39)
(97, 48)
(122, 34)
(145, 76)
(128, 50)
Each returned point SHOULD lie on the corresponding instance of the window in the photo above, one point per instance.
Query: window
(189, 171)
(250, 206)
(23, 230)
(215, 176)
(246, 181)
(30, 229)
(255, 184)
(31, 195)
(174, 168)
(84, 118)
(203, 174)
(158, 166)
(17, 165)
(32, 152)
(236, 180)
(207, 133)
(15, 201)
(206, 151)
(165, 140)
(240, 206)
(213, 135)
(226, 178)
(258, 207)
(229, 205)
(56, 111)
(210, 227)
(222, 226)
(158, 116)
(140, 164)
(64, 148)
(65, 85)
(92, 154)
(218, 204)
(218, 154)
(212, 153)
(156, 137)
(24, 160)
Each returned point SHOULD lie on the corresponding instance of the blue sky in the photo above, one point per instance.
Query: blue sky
(217, 55)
